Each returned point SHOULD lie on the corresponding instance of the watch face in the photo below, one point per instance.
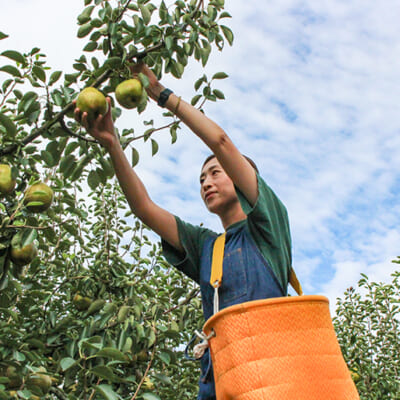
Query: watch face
(164, 97)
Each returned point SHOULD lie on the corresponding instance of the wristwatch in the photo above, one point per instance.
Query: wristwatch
(164, 95)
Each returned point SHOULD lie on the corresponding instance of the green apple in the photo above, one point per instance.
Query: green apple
(21, 256)
(129, 93)
(38, 197)
(148, 383)
(14, 376)
(39, 383)
(81, 303)
(93, 102)
(7, 183)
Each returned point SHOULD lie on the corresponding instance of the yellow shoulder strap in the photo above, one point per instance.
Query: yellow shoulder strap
(217, 267)
(293, 280)
(217, 261)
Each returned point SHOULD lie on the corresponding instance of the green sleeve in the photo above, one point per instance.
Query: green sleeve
(192, 239)
(269, 227)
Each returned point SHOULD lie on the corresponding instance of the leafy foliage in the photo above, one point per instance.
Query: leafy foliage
(98, 313)
(368, 328)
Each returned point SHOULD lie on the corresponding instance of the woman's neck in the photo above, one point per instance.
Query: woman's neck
(232, 215)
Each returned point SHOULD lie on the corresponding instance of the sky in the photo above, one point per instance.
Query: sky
(312, 97)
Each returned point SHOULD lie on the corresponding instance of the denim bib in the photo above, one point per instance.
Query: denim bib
(246, 276)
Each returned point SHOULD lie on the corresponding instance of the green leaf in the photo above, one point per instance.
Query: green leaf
(144, 80)
(94, 342)
(135, 157)
(96, 306)
(220, 75)
(96, 23)
(24, 237)
(79, 67)
(111, 352)
(10, 69)
(84, 16)
(114, 62)
(162, 10)
(174, 136)
(154, 147)
(67, 163)
(150, 396)
(6, 84)
(14, 55)
(169, 41)
(199, 82)
(54, 77)
(84, 30)
(146, 14)
(152, 338)
(47, 158)
(71, 147)
(205, 53)
(91, 46)
(195, 99)
(34, 51)
(225, 14)
(3, 35)
(67, 363)
(93, 179)
(218, 94)
(165, 357)
(107, 392)
(227, 33)
(107, 167)
(163, 378)
(8, 124)
(39, 73)
(27, 101)
(104, 372)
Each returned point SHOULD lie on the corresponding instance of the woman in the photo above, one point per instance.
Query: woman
(257, 255)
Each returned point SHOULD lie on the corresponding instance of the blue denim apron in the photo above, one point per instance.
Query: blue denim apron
(246, 276)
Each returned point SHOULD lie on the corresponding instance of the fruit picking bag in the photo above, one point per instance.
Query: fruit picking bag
(275, 349)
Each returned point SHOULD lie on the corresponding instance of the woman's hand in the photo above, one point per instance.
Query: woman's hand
(155, 88)
(102, 128)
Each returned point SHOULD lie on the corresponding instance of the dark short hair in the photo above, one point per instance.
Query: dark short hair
(211, 156)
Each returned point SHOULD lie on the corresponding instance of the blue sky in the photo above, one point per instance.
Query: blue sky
(312, 96)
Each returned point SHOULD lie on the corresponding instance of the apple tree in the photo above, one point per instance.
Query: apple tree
(367, 323)
(89, 309)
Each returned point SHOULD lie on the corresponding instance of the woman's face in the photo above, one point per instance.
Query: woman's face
(216, 188)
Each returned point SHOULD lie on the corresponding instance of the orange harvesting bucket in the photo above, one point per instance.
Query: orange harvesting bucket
(278, 349)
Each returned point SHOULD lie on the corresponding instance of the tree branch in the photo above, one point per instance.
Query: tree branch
(191, 296)
(148, 366)
(71, 133)
(59, 393)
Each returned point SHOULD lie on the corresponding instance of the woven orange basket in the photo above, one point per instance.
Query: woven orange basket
(278, 349)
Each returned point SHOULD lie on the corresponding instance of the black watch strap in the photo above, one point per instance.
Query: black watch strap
(164, 95)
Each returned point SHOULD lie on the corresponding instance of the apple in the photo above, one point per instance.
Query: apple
(81, 303)
(148, 383)
(7, 183)
(143, 355)
(39, 383)
(21, 256)
(93, 102)
(38, 197)
(129, 93)
(14, 378)
(355, 376)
